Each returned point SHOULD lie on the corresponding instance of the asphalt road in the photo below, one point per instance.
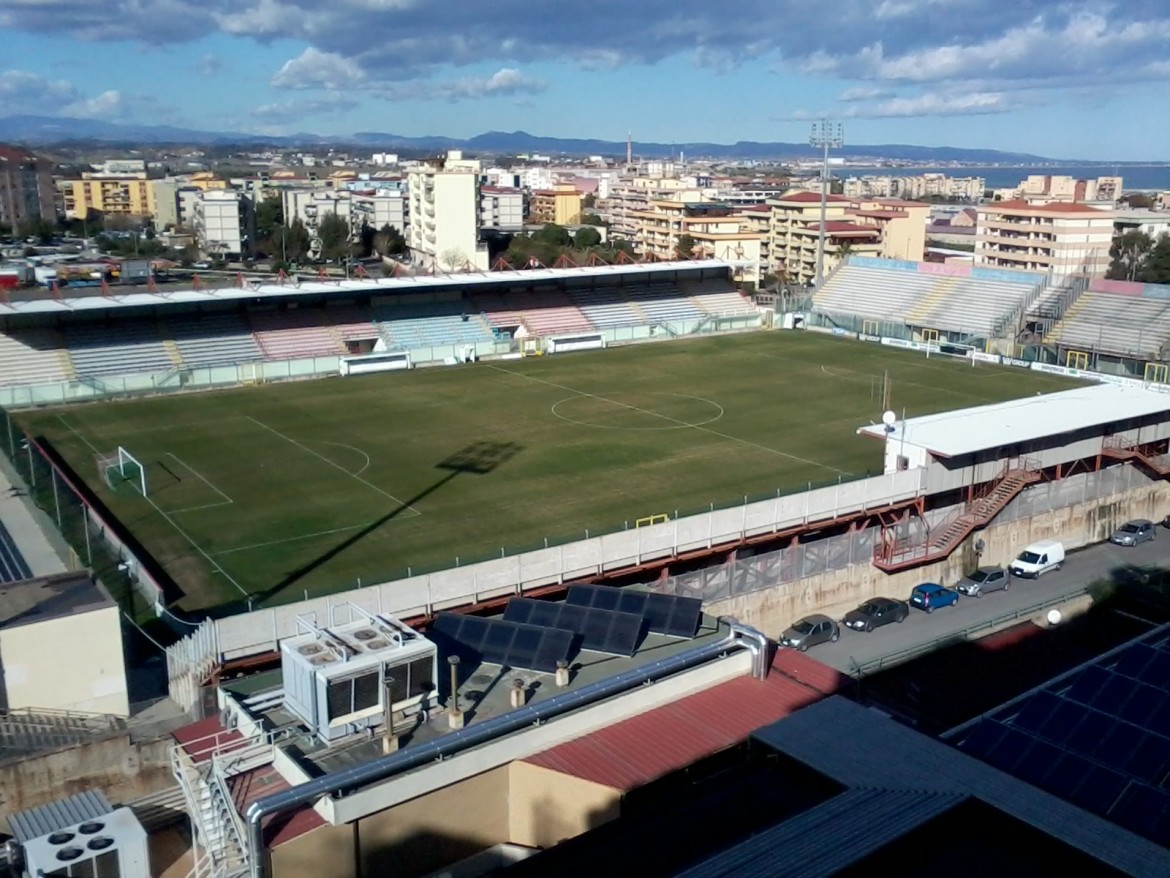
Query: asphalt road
(1080, 569)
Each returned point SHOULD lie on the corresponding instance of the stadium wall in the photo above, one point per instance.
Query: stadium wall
(834, 575)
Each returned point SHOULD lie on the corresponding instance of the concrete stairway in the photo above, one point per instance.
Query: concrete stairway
(891, 556)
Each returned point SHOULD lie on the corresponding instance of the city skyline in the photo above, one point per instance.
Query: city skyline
(1038, 77)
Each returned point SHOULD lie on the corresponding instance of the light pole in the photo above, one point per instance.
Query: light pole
(826, 135)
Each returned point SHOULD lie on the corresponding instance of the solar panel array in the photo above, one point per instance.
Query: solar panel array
(599, 630)
(1099, 739)
(528, 647)
(664, 614)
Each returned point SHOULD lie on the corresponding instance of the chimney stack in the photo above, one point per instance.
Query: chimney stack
(455, 717)
(562, 677)
(517, 693)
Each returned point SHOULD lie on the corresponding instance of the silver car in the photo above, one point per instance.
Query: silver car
(983, 581)
(810, 631)
(1132, 533)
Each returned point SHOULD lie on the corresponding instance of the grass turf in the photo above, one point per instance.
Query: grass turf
(306, 487)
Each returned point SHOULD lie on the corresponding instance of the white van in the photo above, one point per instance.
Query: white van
(1038, 559)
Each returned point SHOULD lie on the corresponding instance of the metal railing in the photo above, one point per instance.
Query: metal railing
(859, 669)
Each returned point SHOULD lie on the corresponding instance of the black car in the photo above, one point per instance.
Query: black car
(875, 613)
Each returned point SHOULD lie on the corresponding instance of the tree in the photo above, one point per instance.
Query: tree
(334, 234)
(1139, 201)
(452, 259)
(589, 200)
(389, 241)
(1129, 253)
(42, 230)
(269, 217)
(1157, 266)
(592, 219)
(685, 248)
(557, 236)
(290, 243)
(587, 237)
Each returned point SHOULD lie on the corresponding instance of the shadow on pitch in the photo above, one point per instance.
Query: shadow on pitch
(479, 458)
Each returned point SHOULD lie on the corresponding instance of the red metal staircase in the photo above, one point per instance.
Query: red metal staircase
(1148, 456)
(892, 554)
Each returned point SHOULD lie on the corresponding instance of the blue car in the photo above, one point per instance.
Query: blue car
(930, 596)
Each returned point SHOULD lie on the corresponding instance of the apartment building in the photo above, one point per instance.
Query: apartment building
(560, 205)
(1064, 188)
(110, 194)
(166, 203)
(501, 208)
(931, 185)
(221, 222)
(442, 230)
(26, 187)
(375, 208)
(890, 228)
(1066, 238)
(715, 231)
(627, 195)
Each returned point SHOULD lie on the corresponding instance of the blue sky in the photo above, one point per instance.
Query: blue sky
(1062, 79)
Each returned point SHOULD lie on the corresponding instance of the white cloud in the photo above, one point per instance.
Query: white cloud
(972, 104)
(292, 112)
(24, 92)
(863, 93)
(107, 105)
(316, 69)
(209, 65)
(505, 81)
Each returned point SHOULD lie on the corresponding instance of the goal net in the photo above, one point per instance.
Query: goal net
(120, 467)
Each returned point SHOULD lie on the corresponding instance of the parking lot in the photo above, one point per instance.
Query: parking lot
(1081, 568)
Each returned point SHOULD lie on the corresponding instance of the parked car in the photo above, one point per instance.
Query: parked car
(810, 631)
(983, 581)
(1038, 559)
(1134, 532)
(930, 596)
(875, 613)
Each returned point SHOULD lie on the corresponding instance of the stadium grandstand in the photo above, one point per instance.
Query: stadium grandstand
(925, 301)
(1115, 326)
(152, 338)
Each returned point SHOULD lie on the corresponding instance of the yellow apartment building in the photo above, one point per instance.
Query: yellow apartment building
(560, 205)
(716, 231)
(111, 194)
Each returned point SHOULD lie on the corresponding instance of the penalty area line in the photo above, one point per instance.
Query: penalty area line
(320, 533)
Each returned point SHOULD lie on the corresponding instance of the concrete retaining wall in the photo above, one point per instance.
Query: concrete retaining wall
(835, 592)
(120, 768)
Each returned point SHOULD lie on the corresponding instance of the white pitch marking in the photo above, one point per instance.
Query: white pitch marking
(203, 479)
(320, 533)
(679, 426)
(333, 464)
(165, 515)
(350, 448)
(669, 418)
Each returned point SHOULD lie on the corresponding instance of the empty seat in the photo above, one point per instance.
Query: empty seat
(126, 347)
(1115, 323)
(212, 339)
(428, 325)
(606, 307)
(33, 356)
(295, 334)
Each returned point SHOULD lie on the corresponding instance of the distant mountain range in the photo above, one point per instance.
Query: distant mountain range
(51, 130)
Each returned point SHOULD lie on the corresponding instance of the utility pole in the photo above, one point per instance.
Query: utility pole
(827, 135)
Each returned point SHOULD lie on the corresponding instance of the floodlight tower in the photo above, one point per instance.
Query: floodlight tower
(827, 135)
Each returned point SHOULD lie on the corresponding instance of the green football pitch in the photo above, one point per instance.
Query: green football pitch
(279, 491)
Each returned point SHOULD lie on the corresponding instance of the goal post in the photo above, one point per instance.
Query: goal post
(121, 467)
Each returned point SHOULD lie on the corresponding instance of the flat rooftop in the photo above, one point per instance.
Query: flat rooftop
(863, 748)
(484, 692)
(123, 297)
(51, 597)
(970, 430)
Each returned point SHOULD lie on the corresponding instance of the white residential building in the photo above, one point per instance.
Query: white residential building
(219, 221)
(501, 208)
(915, 186)
(384, 158)
(374, 208)
(443, 224)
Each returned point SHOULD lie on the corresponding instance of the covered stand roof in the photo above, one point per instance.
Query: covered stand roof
(967, 431)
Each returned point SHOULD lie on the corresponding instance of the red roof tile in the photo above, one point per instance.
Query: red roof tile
(200, 738)
(845, 227)
(1051, 207)
(643, 748)
(252, 785)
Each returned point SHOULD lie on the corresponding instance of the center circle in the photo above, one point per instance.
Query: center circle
(645, 412)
